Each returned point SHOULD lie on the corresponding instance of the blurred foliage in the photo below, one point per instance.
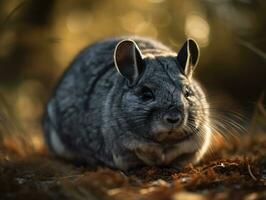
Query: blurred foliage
(39, 38)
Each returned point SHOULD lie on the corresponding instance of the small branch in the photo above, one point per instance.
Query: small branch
(5, 21)
(251, 173)
(252, 48)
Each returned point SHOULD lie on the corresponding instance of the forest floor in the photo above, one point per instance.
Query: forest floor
(236, 170)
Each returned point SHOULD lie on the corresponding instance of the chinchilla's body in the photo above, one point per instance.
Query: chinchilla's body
(125, 103)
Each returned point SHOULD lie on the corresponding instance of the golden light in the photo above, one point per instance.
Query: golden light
(78, 21)
(146, 28)
(28, 104)
(156, 1)
(197, 28)
(130, 20)
(134, 22)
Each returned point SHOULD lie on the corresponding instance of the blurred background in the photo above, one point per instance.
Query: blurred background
(38, 39)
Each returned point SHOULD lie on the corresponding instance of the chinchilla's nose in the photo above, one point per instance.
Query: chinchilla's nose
(173, 116)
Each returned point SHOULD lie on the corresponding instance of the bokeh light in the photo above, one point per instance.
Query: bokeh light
(198, 28)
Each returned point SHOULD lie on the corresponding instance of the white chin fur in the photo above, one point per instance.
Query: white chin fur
(158, 128)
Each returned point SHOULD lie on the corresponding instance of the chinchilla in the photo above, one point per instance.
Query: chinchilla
(128, 102)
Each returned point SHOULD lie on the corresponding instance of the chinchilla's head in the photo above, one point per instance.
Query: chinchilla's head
(161, 102)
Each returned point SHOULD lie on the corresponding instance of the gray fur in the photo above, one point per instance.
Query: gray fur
(100, 119)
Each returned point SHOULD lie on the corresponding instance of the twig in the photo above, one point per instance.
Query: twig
(12, 13)
(252, 48)
(251, 173)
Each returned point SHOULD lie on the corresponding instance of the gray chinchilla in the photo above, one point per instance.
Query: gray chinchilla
(128, 102)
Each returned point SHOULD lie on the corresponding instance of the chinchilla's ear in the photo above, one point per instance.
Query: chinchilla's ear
(188, 57)
(128, 60)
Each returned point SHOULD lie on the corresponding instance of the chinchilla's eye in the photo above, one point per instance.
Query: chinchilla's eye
(188, 92)
(146, 93)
